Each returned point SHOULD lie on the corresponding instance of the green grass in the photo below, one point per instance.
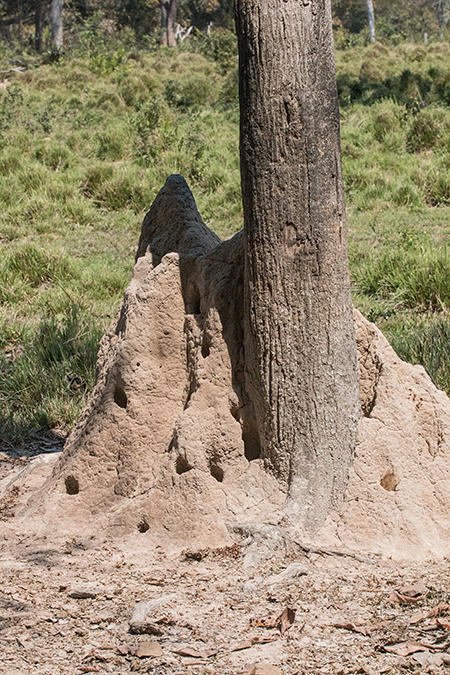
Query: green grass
(86, 144)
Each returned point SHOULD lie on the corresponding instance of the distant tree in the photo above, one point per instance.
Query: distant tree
(56, 25)
(168, 22)
(442, 9)
(14, 13)
(38, 25)
(371, 16)
(350, 14)
(201, 13)
(143, 16)
(405, 19)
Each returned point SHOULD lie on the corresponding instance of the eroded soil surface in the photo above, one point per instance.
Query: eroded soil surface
(66, 606)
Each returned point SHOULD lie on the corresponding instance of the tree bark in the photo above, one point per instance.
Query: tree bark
(6, 32)
(19, 16)
(38, 25)
(168, 22)
(300, 353)
(56, 25)
(171, 24)
(371, 16)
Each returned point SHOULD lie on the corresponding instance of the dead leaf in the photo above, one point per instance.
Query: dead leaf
(442, 624)
(406, 648)
(149, 649)
(123, 649)
(439, 609)
(353, 627)
(195, 653)
(266, 621)
(400, 599)
(416, 591)
(429, 659)
(282, 621)
(417, 618)
(246, 644)
(287, 618)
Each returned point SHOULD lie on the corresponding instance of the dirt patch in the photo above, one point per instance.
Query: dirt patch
(66, 606)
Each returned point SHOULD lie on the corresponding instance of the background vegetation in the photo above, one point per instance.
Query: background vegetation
(87, 142)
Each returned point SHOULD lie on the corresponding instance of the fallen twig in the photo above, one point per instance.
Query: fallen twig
(19, 69)
(307, 548)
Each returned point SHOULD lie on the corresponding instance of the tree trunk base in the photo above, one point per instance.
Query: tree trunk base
(167, 447)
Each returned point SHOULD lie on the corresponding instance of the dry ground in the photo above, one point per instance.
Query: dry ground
(214, 611)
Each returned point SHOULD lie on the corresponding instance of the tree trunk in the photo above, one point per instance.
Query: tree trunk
(19, 17)
(371, 16)
(56, 28)
(171, 24)
(300, 354)
(164, 24)
(38, 25)
(6, 33)
(168, 22)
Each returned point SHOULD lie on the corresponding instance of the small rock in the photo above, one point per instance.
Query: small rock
(83, 593)
(262, 669)
(145, 628)
(140, 622)
(428, 659)
(146, 649)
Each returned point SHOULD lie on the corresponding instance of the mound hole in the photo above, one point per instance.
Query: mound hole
(216, 472)
(182, 465)
(72, 485)
(205, 349)
(120, 397)
(234, 410)
(143, 526)
(252, 444)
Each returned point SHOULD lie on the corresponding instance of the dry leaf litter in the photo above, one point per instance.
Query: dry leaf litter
(92, 606)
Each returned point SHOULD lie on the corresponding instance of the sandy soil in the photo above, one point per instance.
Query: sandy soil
(66, 606)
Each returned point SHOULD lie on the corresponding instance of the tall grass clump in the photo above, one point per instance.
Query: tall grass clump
(414, 278)
(425, 340)
(48, 381)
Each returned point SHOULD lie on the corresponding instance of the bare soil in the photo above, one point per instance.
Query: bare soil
(214, 611)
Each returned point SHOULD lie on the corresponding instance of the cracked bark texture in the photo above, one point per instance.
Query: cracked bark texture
(300, 353)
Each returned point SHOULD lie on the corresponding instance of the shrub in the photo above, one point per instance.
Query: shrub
(423, 132)
(37, 266)
(111, 143)
(416, 278)
(192, 90)
(94, 178)
(46, 383)
(437, 188)
(425, 340)
(219, 45)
